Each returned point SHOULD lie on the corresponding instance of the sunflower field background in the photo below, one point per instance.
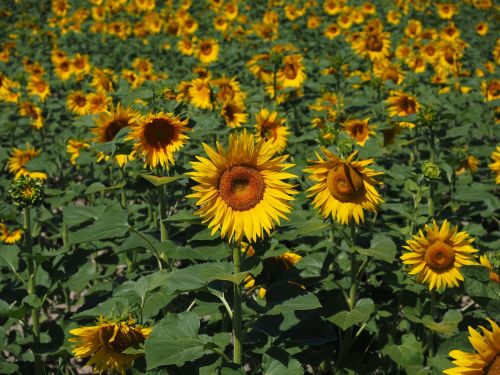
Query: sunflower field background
(249, 187)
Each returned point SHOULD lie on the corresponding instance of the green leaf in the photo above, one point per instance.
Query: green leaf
(361, 313)
(304, 302)
(382, 248)
(159, 181)
(409, 353)
(493, 309)
(447, 326)
(98, 187)
(113, 223)
(175, 341)
(284, 365)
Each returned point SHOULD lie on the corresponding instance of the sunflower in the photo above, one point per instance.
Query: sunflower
(271, 127)
(10, 237)
(35, 113)
(157, 136)
(241, 191)
(234, 113)
(482, 28)
(485, 262)
(38, 87)
(97, 102)
(19, 158)
(200, 93)
(73, 148)
(344, 188)
(107, 126)
(359, 130)
(446, 11)
(207, 51)
(437, 255)
(386, 70)
(486, 359)
(402, 104)
(495, 166)
(105, 342)
(469, 164)
(292, 74)
(77, 103)
(375, 46)
(185, 46)
(63, 69)
(331, 31)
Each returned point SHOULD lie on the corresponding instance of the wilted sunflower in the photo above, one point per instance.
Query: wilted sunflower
(486, 359)
(359, 130)
(241, 191)
(105, 342)
(271, 127)
(157, 136)
(435, 257)
(495, 166)
(19, 158)
(107, 126)
(344, 188)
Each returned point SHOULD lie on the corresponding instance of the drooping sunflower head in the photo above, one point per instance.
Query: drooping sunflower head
(436, 256)
(105, 342)
(343, 188)
(486, 359)
(241, 190)
(157, 137)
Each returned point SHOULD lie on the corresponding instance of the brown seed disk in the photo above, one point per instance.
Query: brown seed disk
(241, 187)
(494, 367)
(113, 128)
(160, 133)
(440, 256)
(345, 183)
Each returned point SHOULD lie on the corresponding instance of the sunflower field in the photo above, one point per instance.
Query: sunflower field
(277, 187)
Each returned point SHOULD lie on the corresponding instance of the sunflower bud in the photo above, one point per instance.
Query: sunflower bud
(276, 59)
(27, 191)
(431, 171)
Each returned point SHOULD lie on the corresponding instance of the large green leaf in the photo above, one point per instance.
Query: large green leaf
(303, 302)
(361, 313)
(382, 248)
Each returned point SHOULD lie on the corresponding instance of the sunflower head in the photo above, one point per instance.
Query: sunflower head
(241, 190)
(157, 137)
(27, 192)
(436, 256)
(343, 188)
(106, 341)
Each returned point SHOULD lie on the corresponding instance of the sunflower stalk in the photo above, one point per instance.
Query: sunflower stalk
(123, 192)
(35, 317)
(163, 213)
(237, 315)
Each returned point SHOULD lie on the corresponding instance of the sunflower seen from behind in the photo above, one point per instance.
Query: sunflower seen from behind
(241, 191)
(436, 256)
(157, 137)
(343, 188)
(105, 342)
(486, 358)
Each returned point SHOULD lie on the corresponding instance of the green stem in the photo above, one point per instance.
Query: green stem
(354, 279)
(151, 246)
(123, 192)
(431, 199)
(237, 316)
(35, 317)
(431, 333)
(163, 213)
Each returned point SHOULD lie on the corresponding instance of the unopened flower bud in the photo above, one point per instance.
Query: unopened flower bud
(431, 171)
(27, 191)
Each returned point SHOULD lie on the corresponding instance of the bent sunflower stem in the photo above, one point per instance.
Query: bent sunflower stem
(237, 315)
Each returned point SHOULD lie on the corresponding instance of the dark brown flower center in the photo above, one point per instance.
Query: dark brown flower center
(374, 43)
(206, 48)
(160, 133)
(291, 71)
(439, 256)
(345, 183)
(242, 187)
(113, 128)
(494, 367)
(407, 104)
(122, 340)
(390, 74)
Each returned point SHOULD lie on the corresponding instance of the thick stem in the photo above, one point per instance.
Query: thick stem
(163, 213)
(35, 317)
(354, 279)
(430, 343)
(237, 318)
(123, 192)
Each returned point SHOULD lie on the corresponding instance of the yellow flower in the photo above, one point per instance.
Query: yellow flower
(9, 237)
(446, 11)
(97, 102)
(331, 31)
(470, 163)
(292, 74)
(486, 359)
(482, 28)
(386, 70)
(105, 342)
(63, 69)
(241, 191)
(35, 113)
(234, 113)
(344, 188)
(157, 137)
(436, 257)
(73, 148)
(271, 127)
(495, 166)
(359, 130)
(200, 93)
(491, 89)
(402, 104)
(19, 158)
(77, 103)
(207, 50)
(375, 46)
(485, 262)
(38, 87)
